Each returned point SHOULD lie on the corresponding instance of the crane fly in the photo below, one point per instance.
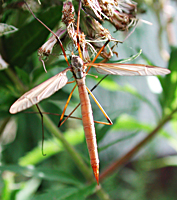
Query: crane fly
(79, 70)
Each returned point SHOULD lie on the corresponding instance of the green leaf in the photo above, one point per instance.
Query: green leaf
(126, 122)
(111, 85)
(13, 168)
(130, 89)
(61, 193)
(55, 175)
(82, 193)
(51, 147)
(131, 58)
(35, 156)
(108, 84)
(30, 37)
(42, 173)
(169, 83)
(29, 188)
(117, 141)
(101, 132)
(23, 76)
(68, 193)
(8, 181)
(169, 161)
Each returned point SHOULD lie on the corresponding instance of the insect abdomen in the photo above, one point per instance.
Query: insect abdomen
(89, 128)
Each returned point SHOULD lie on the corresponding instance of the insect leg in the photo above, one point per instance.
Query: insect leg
(42, 129)
(100, 107)
(98, 53)
(69, 116)
(70, 82)
(78, 20)
(62, 115)
(57, 38)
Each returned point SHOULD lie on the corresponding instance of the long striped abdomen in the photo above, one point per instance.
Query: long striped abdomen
(89, 128)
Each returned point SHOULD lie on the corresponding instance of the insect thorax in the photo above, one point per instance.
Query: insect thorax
(77, 65)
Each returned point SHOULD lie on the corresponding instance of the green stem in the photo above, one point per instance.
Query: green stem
(70, 149)
(3, 125)
(87, 172)
(15, 79)
(101, 193)
(113, 167)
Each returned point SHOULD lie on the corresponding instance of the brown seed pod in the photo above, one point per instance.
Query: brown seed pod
(121, 13)
(46, 49)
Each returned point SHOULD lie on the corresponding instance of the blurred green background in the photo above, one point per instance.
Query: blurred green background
(133, 163)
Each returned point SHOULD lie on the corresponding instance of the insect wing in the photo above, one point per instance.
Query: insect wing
(40, 92)
(129, 69)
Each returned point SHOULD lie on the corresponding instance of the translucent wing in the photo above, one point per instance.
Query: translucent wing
(40, 92)
(128, 69)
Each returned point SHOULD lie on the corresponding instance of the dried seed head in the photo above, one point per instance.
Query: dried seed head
(73, 36)
(68, 13)
(94, 6)
(121, 13)
(69, 20)
(95, 30)
(82, 41)
(93, 35)
(47, 47)
(84, 46)
(97, 35)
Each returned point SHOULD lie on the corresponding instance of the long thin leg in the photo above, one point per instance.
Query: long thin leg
(57, 38)
(100, 107)
(94, 87)
(56, 114)
(70, 82)
(69, 116)
(42, 129)
(78, 20)
(98, 54)
(105, 46)
(66, 105)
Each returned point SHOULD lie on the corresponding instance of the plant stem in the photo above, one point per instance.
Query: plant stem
(70, 149)
(15, 79)
(3, 125)
(101, 193)
(87, 172)
(113, 167)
